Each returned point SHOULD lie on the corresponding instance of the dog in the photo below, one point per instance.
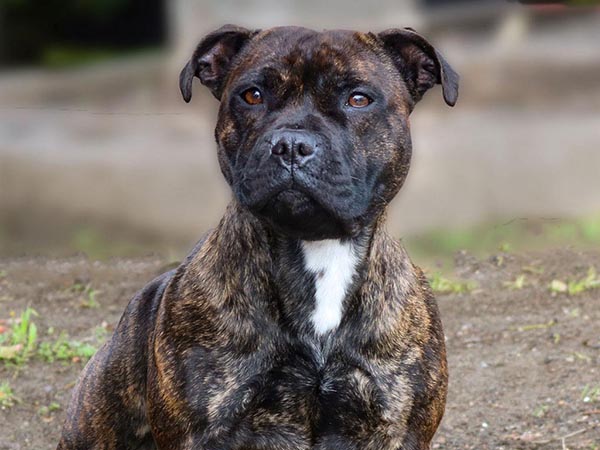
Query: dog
(297, 323)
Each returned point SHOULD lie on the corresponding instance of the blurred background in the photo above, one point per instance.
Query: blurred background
(99, 154)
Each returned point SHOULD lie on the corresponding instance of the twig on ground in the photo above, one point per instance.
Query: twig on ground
(562, 438)
(574, 433)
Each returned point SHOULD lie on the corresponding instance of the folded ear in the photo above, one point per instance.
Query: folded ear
(420, 64)
(212, 59)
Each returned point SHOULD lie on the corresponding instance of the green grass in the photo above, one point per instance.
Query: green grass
(88, 295)
(7, 396)
(64, 349)
(89, 300)
(47, 410)
(541, 411)
(590, 394)
(574, 287)
(536, 326)
(21, 342)
(442, 285)
(518, 284)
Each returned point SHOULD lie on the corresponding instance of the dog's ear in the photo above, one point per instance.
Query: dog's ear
(212, 59)
(420, 64)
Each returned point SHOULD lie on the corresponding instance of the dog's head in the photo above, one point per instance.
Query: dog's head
(313, 129)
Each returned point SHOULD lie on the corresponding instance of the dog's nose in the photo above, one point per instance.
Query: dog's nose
(293, 146)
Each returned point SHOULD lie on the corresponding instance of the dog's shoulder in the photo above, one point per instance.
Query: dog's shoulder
(143, 305)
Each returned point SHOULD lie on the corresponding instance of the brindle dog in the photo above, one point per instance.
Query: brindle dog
(297, 323)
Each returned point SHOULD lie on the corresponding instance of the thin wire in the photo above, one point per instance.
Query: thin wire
(90, 111)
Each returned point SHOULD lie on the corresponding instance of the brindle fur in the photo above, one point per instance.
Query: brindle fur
(220, 354)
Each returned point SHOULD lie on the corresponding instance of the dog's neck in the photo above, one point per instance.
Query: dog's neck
(333, 266)
(315, 279)
(308, 285)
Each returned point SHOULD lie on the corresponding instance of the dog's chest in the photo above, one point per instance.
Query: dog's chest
(299, 398)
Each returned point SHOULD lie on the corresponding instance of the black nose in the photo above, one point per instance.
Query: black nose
(293, 146)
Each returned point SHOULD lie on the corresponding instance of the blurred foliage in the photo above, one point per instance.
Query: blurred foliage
(95, 8)
(431, 249)
(31, 30)
(583, 2)
(57, 57)
(426, 249)
(97, 245)
(99, 8)
(516, 235)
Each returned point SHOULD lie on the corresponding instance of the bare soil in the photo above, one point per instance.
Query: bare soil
(524, 363)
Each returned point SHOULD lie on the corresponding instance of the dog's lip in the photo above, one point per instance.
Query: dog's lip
(350, 223)
(276, 193)
(297, 182)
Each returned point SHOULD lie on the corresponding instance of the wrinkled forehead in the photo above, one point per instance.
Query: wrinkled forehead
(305, 56)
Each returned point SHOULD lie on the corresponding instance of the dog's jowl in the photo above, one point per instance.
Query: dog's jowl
(297, 323)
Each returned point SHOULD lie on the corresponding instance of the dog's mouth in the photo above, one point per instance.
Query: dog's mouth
(303, 205)
(299, 214)
(292, 201)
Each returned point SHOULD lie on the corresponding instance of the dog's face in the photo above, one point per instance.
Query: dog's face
(313, 129)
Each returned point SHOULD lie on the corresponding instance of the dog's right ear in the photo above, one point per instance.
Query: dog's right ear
(421, 65)
(212, 59)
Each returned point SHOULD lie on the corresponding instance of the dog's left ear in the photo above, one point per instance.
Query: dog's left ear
(212, 59)
(420, 64)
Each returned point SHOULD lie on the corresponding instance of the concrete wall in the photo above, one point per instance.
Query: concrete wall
(123, 148)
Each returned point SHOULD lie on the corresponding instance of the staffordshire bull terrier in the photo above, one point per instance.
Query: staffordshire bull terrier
(297, 323)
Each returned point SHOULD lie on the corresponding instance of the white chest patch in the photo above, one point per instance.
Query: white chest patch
(333, 263)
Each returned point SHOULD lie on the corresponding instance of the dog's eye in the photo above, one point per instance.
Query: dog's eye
(252, 96)
(358, 100)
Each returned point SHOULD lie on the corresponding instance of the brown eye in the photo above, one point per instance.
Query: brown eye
(358, 100)
(252, 96)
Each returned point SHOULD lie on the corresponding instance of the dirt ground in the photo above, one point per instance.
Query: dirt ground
(524, 361)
